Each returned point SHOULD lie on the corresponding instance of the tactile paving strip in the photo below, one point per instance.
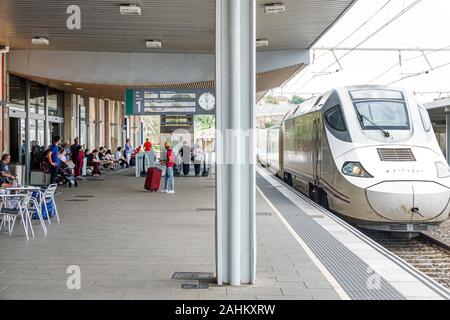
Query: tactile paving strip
(349, 270)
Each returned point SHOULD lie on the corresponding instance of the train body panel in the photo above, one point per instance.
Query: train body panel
(368, 153)
(261, 146)
(273, 147)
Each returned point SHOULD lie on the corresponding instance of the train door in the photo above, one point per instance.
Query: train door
(280, 172)
(316, 192)
(316, 151)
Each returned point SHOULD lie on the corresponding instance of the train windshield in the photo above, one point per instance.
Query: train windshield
(388, 115)
(381, 109)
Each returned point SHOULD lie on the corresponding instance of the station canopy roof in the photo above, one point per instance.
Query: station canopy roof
(182, 26)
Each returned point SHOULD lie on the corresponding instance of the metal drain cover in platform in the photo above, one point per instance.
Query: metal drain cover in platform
(84, 196)
(75, 200)
(205, 276)
(263, 214)
(195, 286)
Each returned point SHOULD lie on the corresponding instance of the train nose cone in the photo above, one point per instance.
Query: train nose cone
(409, 201)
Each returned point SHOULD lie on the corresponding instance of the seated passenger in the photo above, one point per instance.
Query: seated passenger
(66, 146)
(121, 158)
(108, 160)
(7, 180)
(101, 153)
(45, 165)
(66, 162)
(94, 161)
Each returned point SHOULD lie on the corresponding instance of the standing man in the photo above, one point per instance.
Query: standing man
(186, 155)
(147, 145)
(75, 145)
(128, 150)
(74, 156)
(54, 160)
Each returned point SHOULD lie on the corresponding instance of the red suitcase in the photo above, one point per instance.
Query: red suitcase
(156, 180)
(153, 179)
(148, 178)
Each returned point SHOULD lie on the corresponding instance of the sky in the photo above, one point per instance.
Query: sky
(426, 25)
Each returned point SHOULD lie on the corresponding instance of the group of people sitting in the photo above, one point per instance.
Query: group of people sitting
(68, 160)
(71, 159)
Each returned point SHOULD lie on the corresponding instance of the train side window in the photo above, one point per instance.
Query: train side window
(335, 119)
(426, 122)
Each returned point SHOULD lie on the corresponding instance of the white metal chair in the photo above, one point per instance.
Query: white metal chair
(48, 195)
(13, 206)
(35, 206)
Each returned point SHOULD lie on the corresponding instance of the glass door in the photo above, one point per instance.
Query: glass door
(17, 140)
(37, 134)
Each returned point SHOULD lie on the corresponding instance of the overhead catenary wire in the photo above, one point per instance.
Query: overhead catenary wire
(370, 36)
(356, 30)
(389, 22)
(343, 40)
(420, 73)
(406, 60)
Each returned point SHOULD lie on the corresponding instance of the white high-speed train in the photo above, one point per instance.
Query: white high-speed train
(368, 153)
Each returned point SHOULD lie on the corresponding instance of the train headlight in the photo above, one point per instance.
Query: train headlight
(442, 170)
(355, 169)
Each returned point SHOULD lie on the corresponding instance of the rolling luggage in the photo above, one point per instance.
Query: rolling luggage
(148, 178)
(153, 179)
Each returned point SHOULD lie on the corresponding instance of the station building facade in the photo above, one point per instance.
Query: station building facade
(33, 113)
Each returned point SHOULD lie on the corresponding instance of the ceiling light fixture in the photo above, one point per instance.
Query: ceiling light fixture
(40, 41)
(274, 8)
(153, 44)
(130, 10)
(67, 84)
(262, 43)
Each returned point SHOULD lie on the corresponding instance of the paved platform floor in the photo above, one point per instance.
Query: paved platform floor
(128, 242)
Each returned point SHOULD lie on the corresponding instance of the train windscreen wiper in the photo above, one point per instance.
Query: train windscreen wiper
(361, 117)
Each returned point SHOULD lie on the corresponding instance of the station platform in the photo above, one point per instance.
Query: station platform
(128, 242)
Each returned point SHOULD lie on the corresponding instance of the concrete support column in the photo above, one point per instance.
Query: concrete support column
(70, 130)
(106, 127)
(27, 134)
(235, 99)
(48, 135)
(97, 123)
(91, 102)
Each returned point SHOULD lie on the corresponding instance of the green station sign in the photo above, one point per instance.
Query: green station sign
(157, 101)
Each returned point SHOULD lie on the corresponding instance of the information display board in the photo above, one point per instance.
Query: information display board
(157, 101)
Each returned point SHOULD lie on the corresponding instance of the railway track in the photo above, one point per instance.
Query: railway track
(425, 253)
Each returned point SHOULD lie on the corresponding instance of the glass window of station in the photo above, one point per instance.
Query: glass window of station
(38, 133)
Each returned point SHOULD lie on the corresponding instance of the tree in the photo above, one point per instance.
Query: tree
(271, 100)
(297, 100)
(205, 122)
